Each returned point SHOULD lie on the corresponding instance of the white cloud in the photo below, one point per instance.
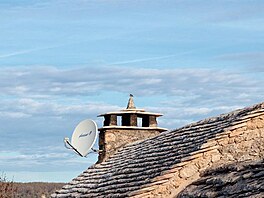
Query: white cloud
(13, 114)
(27, 107)
(87, 81)
(37, 92)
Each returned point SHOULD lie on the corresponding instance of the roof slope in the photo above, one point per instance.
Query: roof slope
(244, 179)
(137, 164)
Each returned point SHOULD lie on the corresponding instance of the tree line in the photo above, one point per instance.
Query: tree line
(10, 189)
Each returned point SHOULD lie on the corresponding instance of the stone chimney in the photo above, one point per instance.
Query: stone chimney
(134, 125)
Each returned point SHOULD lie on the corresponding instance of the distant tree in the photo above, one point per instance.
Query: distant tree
(7, 188)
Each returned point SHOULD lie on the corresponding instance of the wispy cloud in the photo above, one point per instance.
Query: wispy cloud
(253, 60)
(161, 57)
(28, 51)
(18, 53)
(141, 60)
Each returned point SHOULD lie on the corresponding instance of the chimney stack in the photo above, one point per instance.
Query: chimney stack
(136, 125)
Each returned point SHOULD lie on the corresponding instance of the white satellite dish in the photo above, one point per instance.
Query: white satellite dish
(83, 138)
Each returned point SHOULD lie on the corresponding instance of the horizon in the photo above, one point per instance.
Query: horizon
(65, 61)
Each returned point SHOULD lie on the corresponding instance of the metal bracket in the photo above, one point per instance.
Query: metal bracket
(96, 150)
(67, 142)
(68, 145)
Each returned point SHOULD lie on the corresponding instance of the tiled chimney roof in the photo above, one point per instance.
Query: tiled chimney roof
(139, 167)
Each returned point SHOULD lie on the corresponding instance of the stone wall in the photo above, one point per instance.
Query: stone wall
(243, 141)
(110, 140)
(239, 179)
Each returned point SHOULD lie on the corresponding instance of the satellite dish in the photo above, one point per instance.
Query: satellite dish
(83, 138)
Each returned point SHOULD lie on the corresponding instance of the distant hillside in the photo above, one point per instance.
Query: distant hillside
(33, 189)
(36, 189)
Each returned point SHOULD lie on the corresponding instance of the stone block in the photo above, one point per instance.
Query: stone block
(252, 134)
(231, 140)
(110, 137)
(228, 157)
(216, 157)
(251, 125)
(108, 147)
(261, 132)
(188, 171)
(236, 133)
(203, 163)
(239, 139)
(209, 144)
(223, 141)
(247, 144)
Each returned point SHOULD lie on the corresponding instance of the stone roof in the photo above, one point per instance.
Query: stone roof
(136, 167)
(243, 179)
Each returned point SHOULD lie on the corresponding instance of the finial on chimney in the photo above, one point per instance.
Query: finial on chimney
(130, 104)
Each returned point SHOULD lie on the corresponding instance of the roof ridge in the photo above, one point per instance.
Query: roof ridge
(231, 115)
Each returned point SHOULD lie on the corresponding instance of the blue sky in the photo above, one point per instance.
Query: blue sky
(65, 61)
